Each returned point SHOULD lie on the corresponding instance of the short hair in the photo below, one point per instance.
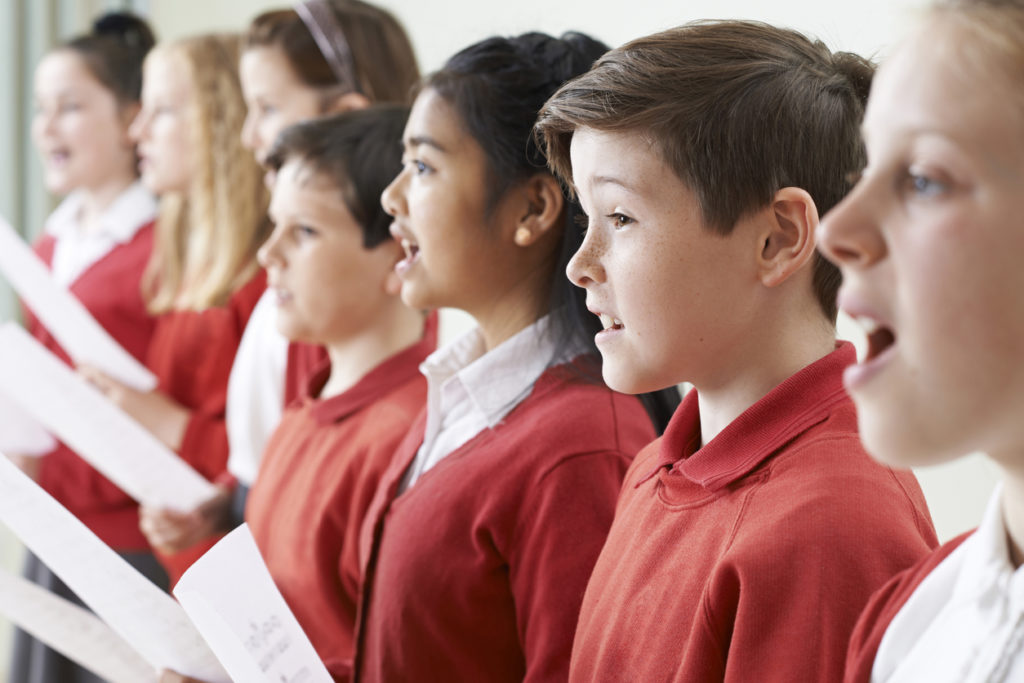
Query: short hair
(382, 53)
(737, 109)
(358, 151)
(114, 51)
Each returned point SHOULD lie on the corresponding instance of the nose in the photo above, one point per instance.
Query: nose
(250, 139)
(585, 266)
(392, 199)
(269, 253)
(850, 234)
(139, 126)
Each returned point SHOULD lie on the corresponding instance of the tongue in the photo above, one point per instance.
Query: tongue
(879, 341)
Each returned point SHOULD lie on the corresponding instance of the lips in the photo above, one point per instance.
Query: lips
(880, 338)
(409, 246)
(609, 323)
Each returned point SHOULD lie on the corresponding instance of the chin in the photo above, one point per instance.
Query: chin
(899, 443)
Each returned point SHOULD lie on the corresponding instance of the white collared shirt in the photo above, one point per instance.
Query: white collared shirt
(255, 390)
(965, 622)
(75, 250)
(469, 391)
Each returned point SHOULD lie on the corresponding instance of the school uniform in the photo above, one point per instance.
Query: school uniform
(191, 356)
(956, 616)
(478, 544)
(320, 471)
(102, 269)
(749, 559)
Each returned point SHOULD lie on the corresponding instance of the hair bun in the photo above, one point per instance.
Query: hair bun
(126, 28)
(857, 70)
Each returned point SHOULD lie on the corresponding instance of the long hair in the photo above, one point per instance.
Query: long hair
(206, 241)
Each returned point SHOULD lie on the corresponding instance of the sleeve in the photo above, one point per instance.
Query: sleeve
(553, 560)
(784, 606)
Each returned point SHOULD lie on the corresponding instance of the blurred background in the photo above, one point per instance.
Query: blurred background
(28, 28)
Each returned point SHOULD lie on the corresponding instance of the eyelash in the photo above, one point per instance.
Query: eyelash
(922, 185)
(418, 167)
(621, 220)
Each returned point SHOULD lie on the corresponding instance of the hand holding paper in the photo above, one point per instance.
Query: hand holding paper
(163, 417)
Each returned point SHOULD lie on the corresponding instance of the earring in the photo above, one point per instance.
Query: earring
(522, 236)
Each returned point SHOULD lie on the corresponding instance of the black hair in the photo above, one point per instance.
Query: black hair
(497, 87)
(358, 151)
(114, 52)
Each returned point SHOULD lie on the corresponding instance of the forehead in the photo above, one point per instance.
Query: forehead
(298, 182)
(167, 72)
(626, 159)
(266, 66)
(61, 70)
(434, 120)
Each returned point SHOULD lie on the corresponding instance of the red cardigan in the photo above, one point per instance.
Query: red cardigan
(110, 289)
(476, 572)
(883, 607)
(325, 460)
(750, 558)
(191, 356)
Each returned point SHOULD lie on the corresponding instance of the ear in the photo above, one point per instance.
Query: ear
(541, 209)
(350, 101)
(787, 239)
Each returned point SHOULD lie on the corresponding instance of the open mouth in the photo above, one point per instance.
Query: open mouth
(880, 338)
(57, 157)
(411, 249)
(609, 323)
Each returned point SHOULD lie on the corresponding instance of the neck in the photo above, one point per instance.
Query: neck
(1013, 513)
(353, 358)
(96, 200)
(758, 363)
(511, 309)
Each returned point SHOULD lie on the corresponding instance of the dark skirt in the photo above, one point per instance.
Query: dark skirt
(34, 662)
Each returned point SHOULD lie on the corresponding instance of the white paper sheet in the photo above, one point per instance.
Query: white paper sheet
(144, 616)
(70, 323)
(76, 633)
(100, 432)
(19, 433)
(234, 603)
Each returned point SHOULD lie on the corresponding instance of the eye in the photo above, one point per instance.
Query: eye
(305, 232)
(620, 220)
(923, 185)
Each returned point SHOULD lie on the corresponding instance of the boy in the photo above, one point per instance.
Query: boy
(747, 539)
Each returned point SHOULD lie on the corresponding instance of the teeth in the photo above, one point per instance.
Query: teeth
(608, 321)
(869, 325)
(409, 247)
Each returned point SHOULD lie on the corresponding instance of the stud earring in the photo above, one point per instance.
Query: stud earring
(522, 236)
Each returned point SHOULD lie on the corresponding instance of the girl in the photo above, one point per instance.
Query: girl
(96, 244)
(203, 277)
(929, 242)
(292, 69)
(479, 542)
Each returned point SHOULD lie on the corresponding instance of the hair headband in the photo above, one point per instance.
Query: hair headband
(323, 25)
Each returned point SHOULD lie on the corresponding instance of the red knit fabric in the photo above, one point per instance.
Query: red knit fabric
(191, 355)
(883, 607)
(476, 572)
(325, 459)
(750, 558)
(110, 290)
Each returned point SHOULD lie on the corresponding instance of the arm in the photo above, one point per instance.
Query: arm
(170, 531)
(165, 419)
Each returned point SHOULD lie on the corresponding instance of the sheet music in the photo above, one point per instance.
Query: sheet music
(76, 633)
(64, 316)
(148, 619)
(19, 433)
(97, 430)
(234, 603)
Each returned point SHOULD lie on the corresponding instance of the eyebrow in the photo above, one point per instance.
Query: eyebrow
(612, 180)
(420, 140)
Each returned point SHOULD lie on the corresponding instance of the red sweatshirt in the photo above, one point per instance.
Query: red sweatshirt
(319, 473)
(884, 606)
(749, 559)
(191, 356)
(110, 290)
(476, 572)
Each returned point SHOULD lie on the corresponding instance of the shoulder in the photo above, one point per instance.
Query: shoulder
(883, 607)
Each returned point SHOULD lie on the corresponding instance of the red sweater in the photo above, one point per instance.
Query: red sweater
(476, 572)
(750, 558)
(110, 290)
(325, 459)
(884, 606)
(191, 356)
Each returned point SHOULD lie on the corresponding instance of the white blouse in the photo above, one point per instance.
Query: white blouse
(965, 622)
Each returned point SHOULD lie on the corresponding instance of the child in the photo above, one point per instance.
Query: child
(480, 539)
(748, 538)
(96, 244)
(929, 242)
(203, 277)
(287, 78)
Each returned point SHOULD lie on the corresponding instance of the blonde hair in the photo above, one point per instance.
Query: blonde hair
(206, 241)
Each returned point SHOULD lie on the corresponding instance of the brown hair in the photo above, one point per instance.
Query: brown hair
(384, 60)
(206, 241)
(738, 109)
(358, 152)
(114, 51)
